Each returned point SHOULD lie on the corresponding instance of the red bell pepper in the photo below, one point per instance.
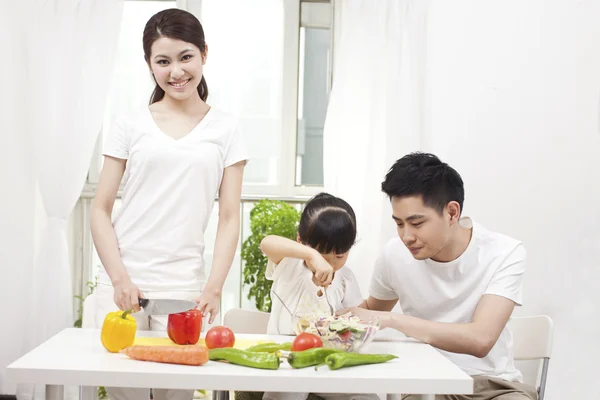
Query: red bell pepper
(185, 327)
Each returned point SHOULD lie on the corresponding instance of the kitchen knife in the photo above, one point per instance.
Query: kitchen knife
(166, 306)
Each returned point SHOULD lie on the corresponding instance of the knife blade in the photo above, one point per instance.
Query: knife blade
(166, 306)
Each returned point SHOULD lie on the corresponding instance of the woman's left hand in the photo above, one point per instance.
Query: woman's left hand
(209, 304)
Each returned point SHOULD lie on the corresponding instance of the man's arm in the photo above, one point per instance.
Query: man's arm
(378, 305)
(475, 338)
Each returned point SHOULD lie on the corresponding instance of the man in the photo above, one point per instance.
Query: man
(457, 282)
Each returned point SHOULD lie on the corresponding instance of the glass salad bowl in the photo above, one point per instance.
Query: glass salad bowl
(343, 332)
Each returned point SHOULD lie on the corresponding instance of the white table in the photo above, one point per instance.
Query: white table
(76, 357)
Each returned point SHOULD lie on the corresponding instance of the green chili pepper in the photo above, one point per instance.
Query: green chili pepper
(342, 360)
(270, 347)
(245, 358)
(310, 357)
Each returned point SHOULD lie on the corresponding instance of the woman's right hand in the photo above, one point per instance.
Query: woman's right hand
(126, 295)
(322, 270)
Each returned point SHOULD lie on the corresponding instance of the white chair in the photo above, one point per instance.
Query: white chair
(88, 319)
(246, 321)
(532, 337)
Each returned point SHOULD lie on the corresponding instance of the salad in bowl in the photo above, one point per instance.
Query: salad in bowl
(343, 332)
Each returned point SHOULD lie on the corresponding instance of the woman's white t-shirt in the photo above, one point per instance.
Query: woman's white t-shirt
(169, 191)
(292, 282)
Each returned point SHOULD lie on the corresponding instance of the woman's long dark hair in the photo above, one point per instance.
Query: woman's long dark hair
(175, 24)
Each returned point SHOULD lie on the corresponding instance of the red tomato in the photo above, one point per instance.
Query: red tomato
(305, 341)
(218, 337)
(345, 335)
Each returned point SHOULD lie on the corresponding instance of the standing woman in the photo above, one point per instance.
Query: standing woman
(175, 155)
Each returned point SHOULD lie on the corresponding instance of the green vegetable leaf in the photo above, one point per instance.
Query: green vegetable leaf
(268, 217)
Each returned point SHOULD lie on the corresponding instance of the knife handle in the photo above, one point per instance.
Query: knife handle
(143, 302)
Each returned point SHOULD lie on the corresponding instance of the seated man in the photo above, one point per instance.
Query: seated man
(456, 281)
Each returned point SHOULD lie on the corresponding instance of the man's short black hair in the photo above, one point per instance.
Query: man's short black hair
(423, 174)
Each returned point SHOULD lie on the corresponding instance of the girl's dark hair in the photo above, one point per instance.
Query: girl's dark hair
(328, 224)
(175, 24)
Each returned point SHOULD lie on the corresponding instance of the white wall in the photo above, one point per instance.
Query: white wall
(514, 107)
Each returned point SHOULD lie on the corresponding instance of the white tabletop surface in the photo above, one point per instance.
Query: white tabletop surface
(76, 357)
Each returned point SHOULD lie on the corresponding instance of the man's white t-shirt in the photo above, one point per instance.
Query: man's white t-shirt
(169, 191)
(292, 282)
(449, 292)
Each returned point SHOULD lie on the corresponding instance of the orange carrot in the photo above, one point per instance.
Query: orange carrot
(188, 355)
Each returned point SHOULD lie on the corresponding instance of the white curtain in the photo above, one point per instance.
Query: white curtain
(17, 182)
(377, 111)
(68, 56)
(514, 107)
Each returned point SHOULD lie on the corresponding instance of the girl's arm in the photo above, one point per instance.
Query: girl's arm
(276, 248)
(228, 231)
(105, 239)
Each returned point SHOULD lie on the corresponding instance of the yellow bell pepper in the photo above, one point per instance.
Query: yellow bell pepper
(118, 331)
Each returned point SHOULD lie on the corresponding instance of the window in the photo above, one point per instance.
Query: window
(313, 91)
(268, 63)
(244, 73)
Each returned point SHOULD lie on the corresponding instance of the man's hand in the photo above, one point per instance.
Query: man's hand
(383, 316)
(358, 311)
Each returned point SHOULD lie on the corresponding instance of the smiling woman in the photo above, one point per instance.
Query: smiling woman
(175, 50)
(174, 155)
(176, 67)
(256, 83)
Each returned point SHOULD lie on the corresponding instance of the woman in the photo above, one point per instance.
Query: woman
(176, 155)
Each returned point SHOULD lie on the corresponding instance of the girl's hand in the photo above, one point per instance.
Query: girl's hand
(321, 269)
(209, 303)
(126, 295)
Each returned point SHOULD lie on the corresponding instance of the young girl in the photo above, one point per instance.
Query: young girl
(309, 274)
(175, 154)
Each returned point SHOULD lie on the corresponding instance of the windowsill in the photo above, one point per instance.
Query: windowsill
(89, 192)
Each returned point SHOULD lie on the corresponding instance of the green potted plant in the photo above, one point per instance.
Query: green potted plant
(268, 217)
